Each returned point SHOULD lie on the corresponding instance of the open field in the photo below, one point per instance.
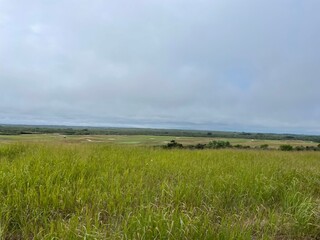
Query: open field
(88, 190)
(101, 131)
(144, 140)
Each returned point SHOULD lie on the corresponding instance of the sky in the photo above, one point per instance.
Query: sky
(249, 65)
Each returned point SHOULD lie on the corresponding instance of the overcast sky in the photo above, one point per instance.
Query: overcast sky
(249, 65)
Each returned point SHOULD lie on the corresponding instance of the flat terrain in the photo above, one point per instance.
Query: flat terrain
(143, 140)
(92, 190)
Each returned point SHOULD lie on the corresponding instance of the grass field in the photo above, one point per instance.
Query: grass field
(53, 190)
(143, 140)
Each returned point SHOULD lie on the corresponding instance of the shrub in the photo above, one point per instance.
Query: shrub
(174, 144)
(219, 144)
(286, 147)
(238, 146)
(241, 146)
(200, 146)
(299, 148)
(264, 146)
(312, 148)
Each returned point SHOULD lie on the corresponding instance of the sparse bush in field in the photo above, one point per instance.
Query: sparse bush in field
(264, 146)
(197, 146)
(218, 144)
(200, 146)
(174, 144)
(241, 146)
(238, 146)
(307, 148)
(299, 148)
(312, 148)
(286, 147)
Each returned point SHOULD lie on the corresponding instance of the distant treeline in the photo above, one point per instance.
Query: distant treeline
(226, 144)
(66, 130)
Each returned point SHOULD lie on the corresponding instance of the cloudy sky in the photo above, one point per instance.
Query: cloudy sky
(249, 65)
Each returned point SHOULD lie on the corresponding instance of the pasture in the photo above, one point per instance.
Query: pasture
(144, 140)
(72, 188)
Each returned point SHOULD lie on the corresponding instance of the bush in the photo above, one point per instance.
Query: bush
(200, 146)
(286, 147)
(241, 146)
(312, 148)
(174, 144)
(238, 146)
(264, 146)
(219, 144)
(299, 148)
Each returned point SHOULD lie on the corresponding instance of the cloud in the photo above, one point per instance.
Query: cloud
(249, 65)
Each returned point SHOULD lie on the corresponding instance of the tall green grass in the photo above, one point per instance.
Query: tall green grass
(91, 191)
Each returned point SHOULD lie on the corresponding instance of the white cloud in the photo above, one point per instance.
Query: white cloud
(211, 64)
(36, 28)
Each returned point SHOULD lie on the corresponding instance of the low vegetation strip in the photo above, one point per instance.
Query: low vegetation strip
(99, 191)
(220, 144)
(80, 131)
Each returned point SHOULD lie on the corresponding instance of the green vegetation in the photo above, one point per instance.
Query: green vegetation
(286, 147)
(264, 146)
(103, 191)
(219, 144)
(68, 130)
(145, 140)
(173, 144)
